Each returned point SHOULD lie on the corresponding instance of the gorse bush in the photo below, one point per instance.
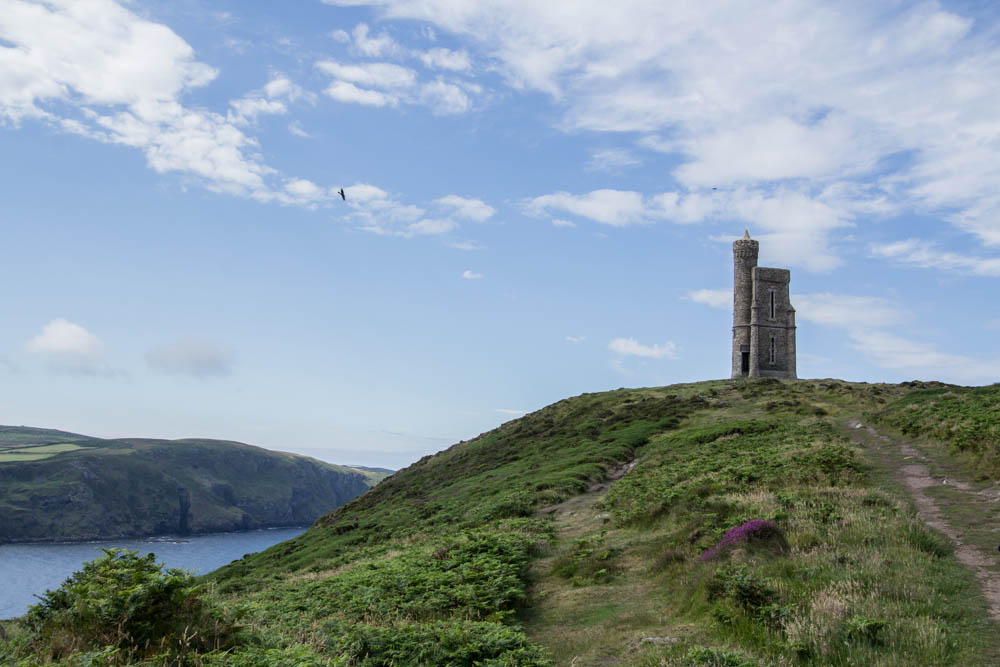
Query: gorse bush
(126, 605)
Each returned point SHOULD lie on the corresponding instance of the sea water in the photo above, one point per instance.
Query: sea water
(27, 570)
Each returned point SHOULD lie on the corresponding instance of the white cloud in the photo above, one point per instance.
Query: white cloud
(575, 339)
(69, 347)
(716, 298)
(922, 360)
(96, 50)
(559, 222)
(373, 46)
(611, 159)
(471, 209)
(305, 191)
(195, 357)
(631, 347)
(843, 310)
(889, 105)
(686, 208)
(272, 99)
(796, 228)
(342, 91)
(438, 58)
(470, 275)
(387, 84)
(611, 207)
(430, 227)
(96, 69)
(376, 75)
(927, 255)
(444, 98)
(379, 212)
(296, 128)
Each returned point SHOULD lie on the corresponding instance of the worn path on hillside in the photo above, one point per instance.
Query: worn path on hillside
(945, 513)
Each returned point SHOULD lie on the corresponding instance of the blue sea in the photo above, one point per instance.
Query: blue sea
(27, 570)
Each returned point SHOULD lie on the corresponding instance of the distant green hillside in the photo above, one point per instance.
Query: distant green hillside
(724, 523)
(64, 486)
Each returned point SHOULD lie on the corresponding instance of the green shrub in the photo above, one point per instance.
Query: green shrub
(123, 604)
(739, 584)
(442, 643)
(864, 629)
(713, 657)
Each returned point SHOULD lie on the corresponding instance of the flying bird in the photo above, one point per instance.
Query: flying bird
(342, 195)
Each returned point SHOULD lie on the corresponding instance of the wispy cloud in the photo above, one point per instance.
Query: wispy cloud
(883, 111)
(847, 311)
(438, 58)
(199, 358)
(471, 275)
(463, 207)
(716, 298)
(610, 207)
(465, 245)
(575, 339)
(927, 255)
(611, 159)
(383, 84)
(921, 360)
(380, 212)
(630, 347)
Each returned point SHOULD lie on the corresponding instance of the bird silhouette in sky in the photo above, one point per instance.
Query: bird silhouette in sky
(342, 195)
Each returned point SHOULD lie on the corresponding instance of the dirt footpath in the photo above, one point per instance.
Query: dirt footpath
(915, 475)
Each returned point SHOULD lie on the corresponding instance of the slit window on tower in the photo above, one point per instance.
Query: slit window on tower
(773, 347)
(772, 307)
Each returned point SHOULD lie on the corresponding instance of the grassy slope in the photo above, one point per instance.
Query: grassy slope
(83, 488)
(863, 582)
(506, 550)
(965, 419)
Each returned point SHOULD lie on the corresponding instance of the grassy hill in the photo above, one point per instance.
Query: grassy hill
(65, 486)
(729, 523)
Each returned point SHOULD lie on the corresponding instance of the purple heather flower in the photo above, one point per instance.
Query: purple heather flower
(755, 528)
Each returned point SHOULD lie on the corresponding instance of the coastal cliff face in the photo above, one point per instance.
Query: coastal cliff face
(131, 488)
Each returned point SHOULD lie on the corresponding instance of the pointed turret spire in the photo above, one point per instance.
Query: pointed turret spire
(746, 234)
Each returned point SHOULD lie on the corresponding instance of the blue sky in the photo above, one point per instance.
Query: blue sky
(541, 199)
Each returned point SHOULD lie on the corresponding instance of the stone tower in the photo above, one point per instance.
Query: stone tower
(763, 317)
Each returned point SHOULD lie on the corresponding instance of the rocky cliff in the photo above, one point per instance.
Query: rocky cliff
(54, 487)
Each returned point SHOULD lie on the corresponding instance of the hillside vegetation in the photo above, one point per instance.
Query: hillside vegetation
(967, 419)
(64, 486)
(726, 523)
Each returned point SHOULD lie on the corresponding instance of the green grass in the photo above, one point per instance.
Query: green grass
(36, 453)
(965, 419)
(503, 550)
(12, 437)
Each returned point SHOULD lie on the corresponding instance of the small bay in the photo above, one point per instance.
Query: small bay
(27, 570)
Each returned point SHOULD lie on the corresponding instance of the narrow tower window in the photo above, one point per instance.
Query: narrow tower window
(772, 309)
(772, 343)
